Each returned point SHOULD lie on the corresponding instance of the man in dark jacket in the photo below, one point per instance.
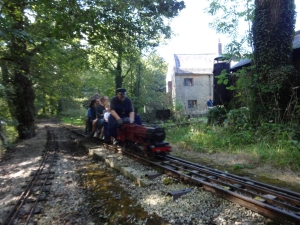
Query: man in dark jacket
(121, 111)
(209, 103)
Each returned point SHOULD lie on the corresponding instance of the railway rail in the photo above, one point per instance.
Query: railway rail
(37, 188)
(276, 203)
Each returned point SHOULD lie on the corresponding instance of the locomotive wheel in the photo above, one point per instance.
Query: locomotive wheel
(135, 149)
(148, 153)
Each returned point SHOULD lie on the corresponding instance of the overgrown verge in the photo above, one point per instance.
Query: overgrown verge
(273, 144)
(8, 134)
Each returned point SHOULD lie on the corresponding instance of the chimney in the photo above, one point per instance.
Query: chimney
(219, 48)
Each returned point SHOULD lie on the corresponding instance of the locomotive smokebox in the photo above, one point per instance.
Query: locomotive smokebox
(156, 134)
(221, 95)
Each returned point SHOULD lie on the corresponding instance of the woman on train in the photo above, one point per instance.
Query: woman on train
(100, 110)
(91, 116)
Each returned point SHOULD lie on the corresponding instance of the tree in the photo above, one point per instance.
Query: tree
(125, 29)
(62, 66)
(31, 27)
(18, 58)
(27, 28)
(229, 18)
(152, 84)
(274, 76)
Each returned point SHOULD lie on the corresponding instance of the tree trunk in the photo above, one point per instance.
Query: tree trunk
(23, 95)
(118, 77)
(273, 33)
(138, 80)
(8, 88)
(273, 27)
(24, 103)
(2, 137)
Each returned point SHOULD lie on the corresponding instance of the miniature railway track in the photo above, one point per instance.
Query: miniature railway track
(277, 203)
(78, 131)
(273, 202)
(35, 191)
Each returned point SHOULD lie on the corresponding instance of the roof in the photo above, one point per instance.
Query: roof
(194, 63)
(243, 62)
(247, 62)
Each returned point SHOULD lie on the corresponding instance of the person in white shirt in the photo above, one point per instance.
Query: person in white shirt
(104, 131)
(107, 113)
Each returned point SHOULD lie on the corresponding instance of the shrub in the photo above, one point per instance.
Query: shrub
(239, 119)
(216, 115)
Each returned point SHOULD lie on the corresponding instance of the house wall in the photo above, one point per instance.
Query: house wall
(200, 91)
(173, 87)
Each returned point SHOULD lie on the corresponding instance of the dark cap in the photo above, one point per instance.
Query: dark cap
(121, 91)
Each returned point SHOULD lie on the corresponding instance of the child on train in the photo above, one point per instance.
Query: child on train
(104, 131)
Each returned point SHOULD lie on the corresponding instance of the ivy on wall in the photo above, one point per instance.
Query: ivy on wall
(274, 75)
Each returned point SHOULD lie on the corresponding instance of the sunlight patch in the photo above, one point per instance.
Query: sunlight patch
(153, 199)
(32, 161)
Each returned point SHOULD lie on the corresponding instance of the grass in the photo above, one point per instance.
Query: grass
(274, 150)
(11, 134)
(74, 121)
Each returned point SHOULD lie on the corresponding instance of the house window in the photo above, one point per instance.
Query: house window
(188, 81)
(192, 103)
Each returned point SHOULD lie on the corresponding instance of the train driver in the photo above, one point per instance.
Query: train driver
(121, 111)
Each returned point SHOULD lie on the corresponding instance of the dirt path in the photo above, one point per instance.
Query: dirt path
(66, 198)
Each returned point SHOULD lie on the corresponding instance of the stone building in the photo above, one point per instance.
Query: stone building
(191, 81)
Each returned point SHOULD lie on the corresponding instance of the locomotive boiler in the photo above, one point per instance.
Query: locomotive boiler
(149, 139)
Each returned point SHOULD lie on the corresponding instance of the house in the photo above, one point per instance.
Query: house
(191, 81)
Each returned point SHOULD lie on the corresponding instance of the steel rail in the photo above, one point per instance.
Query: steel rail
(44, 181)
(266, 186)
(25, 194)
(248, 190)
(258, 187)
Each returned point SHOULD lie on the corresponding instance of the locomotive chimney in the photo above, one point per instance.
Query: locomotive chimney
(220, 48)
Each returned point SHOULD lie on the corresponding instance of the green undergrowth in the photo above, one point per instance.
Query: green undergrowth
(74, 117)
(11, 134)
(74, 121)
(277, 147)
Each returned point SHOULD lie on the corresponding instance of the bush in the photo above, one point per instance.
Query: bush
(216, 115)
(239, 119)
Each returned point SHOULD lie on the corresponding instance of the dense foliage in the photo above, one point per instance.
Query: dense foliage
(49, 49)
(263, 116)
(268, 87)
(274, 76)
(270, 144)
(229, 16)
